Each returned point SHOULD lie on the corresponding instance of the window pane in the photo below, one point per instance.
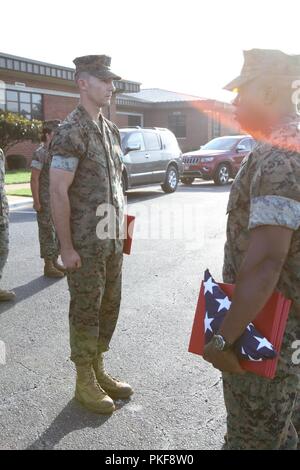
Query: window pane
(70, 75)
(58, 73)
(12, 96)
(37, 111)
(9, 64)
(152, 141)
(48, 71)
(36, 98)
(12, 107)
(53, 72)
(177, 124)
(16, 65)
(134, 140)
(29, 67)
(2, 63)
(36, 68)
(64, 74)
(23, 66)
(25, 108)
(42, 70)
(25, 97)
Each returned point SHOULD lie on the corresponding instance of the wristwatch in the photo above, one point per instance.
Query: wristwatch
(220, 343)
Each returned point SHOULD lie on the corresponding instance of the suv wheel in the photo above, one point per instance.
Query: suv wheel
(222, 175)
(187, 180)
(171, 180)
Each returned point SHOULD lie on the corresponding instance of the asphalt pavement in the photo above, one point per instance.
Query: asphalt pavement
(178, 397)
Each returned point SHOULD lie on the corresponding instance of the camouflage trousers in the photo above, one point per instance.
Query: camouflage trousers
(4, 242)
(95, 291)
(49, 245)
(264, 414)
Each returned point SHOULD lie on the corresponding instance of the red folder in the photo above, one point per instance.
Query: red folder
(271, 322)
(129, 225)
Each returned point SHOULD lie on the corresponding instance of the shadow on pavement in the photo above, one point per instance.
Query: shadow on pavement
(204, 187)
(28, 290)
(72, 418)
(22, 215)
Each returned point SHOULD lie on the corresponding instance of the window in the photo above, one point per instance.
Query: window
(216, 125)
(9, 64)
(23, 66)
(16, 65)
(134, 120)
(2, 63)
(152, 141)
(169, 141)
(29, 105)
(134, 140)
(48, 71)
(248, 143)
(177, 124)
(29, 68)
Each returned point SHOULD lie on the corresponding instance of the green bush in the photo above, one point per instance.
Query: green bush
(16, 162)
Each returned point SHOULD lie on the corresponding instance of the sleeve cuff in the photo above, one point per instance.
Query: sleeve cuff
(36, 164)
(274, 210)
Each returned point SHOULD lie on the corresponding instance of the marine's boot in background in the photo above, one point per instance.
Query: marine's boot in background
(6, 295)
(50, 270)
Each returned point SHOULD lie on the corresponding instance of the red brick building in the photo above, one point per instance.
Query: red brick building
(46, 91)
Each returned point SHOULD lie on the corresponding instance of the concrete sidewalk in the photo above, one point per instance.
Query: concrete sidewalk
(18, 202)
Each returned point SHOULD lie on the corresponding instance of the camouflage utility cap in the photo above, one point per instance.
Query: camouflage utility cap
(266, 62)
(96, 65)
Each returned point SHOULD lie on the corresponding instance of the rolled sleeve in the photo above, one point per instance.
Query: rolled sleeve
(62, 162)
(274, 210)
(36, 164)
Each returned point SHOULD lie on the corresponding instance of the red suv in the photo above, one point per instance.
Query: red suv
(218, 160)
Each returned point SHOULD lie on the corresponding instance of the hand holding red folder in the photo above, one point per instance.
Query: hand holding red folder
(270, 323)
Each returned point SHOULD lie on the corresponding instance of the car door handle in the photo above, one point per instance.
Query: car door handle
(147, 155)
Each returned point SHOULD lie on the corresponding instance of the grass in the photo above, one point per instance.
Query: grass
(17, 176)
(26, 192)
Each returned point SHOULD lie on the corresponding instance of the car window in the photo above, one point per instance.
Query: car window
(248, 143)
(152, 141)
(134, 140)
(169, 141)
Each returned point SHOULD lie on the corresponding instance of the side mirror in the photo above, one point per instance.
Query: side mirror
(241, 148)
(132, 148)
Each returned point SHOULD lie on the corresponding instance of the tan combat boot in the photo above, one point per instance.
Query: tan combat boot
(113, 387)
(50, 270)
(6, 295)
(59, 266)
(89, 393)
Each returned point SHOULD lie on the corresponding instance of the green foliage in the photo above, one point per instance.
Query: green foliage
(17, 177)
(25, 192)
(15, 128)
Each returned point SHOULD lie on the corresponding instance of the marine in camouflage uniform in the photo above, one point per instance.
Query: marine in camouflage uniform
(91, 149)
(264, 413)
(40, 166)
(4, 231)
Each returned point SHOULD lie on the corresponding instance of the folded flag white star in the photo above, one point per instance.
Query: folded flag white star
(251, 345)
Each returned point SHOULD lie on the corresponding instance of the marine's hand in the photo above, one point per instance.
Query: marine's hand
(37, 206)
(225, 361)
(70, 259)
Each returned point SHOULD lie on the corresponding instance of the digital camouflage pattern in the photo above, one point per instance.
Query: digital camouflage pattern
(95, 288)
(49, 246)
(95, 291)
(4, 234)
(263, 413)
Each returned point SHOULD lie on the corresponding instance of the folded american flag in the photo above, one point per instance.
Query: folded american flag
(251, 345)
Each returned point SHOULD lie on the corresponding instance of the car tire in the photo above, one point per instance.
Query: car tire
(171, 180)
(222, 175)
(188, 181)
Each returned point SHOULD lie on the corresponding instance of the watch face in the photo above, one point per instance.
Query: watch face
(219, 342)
